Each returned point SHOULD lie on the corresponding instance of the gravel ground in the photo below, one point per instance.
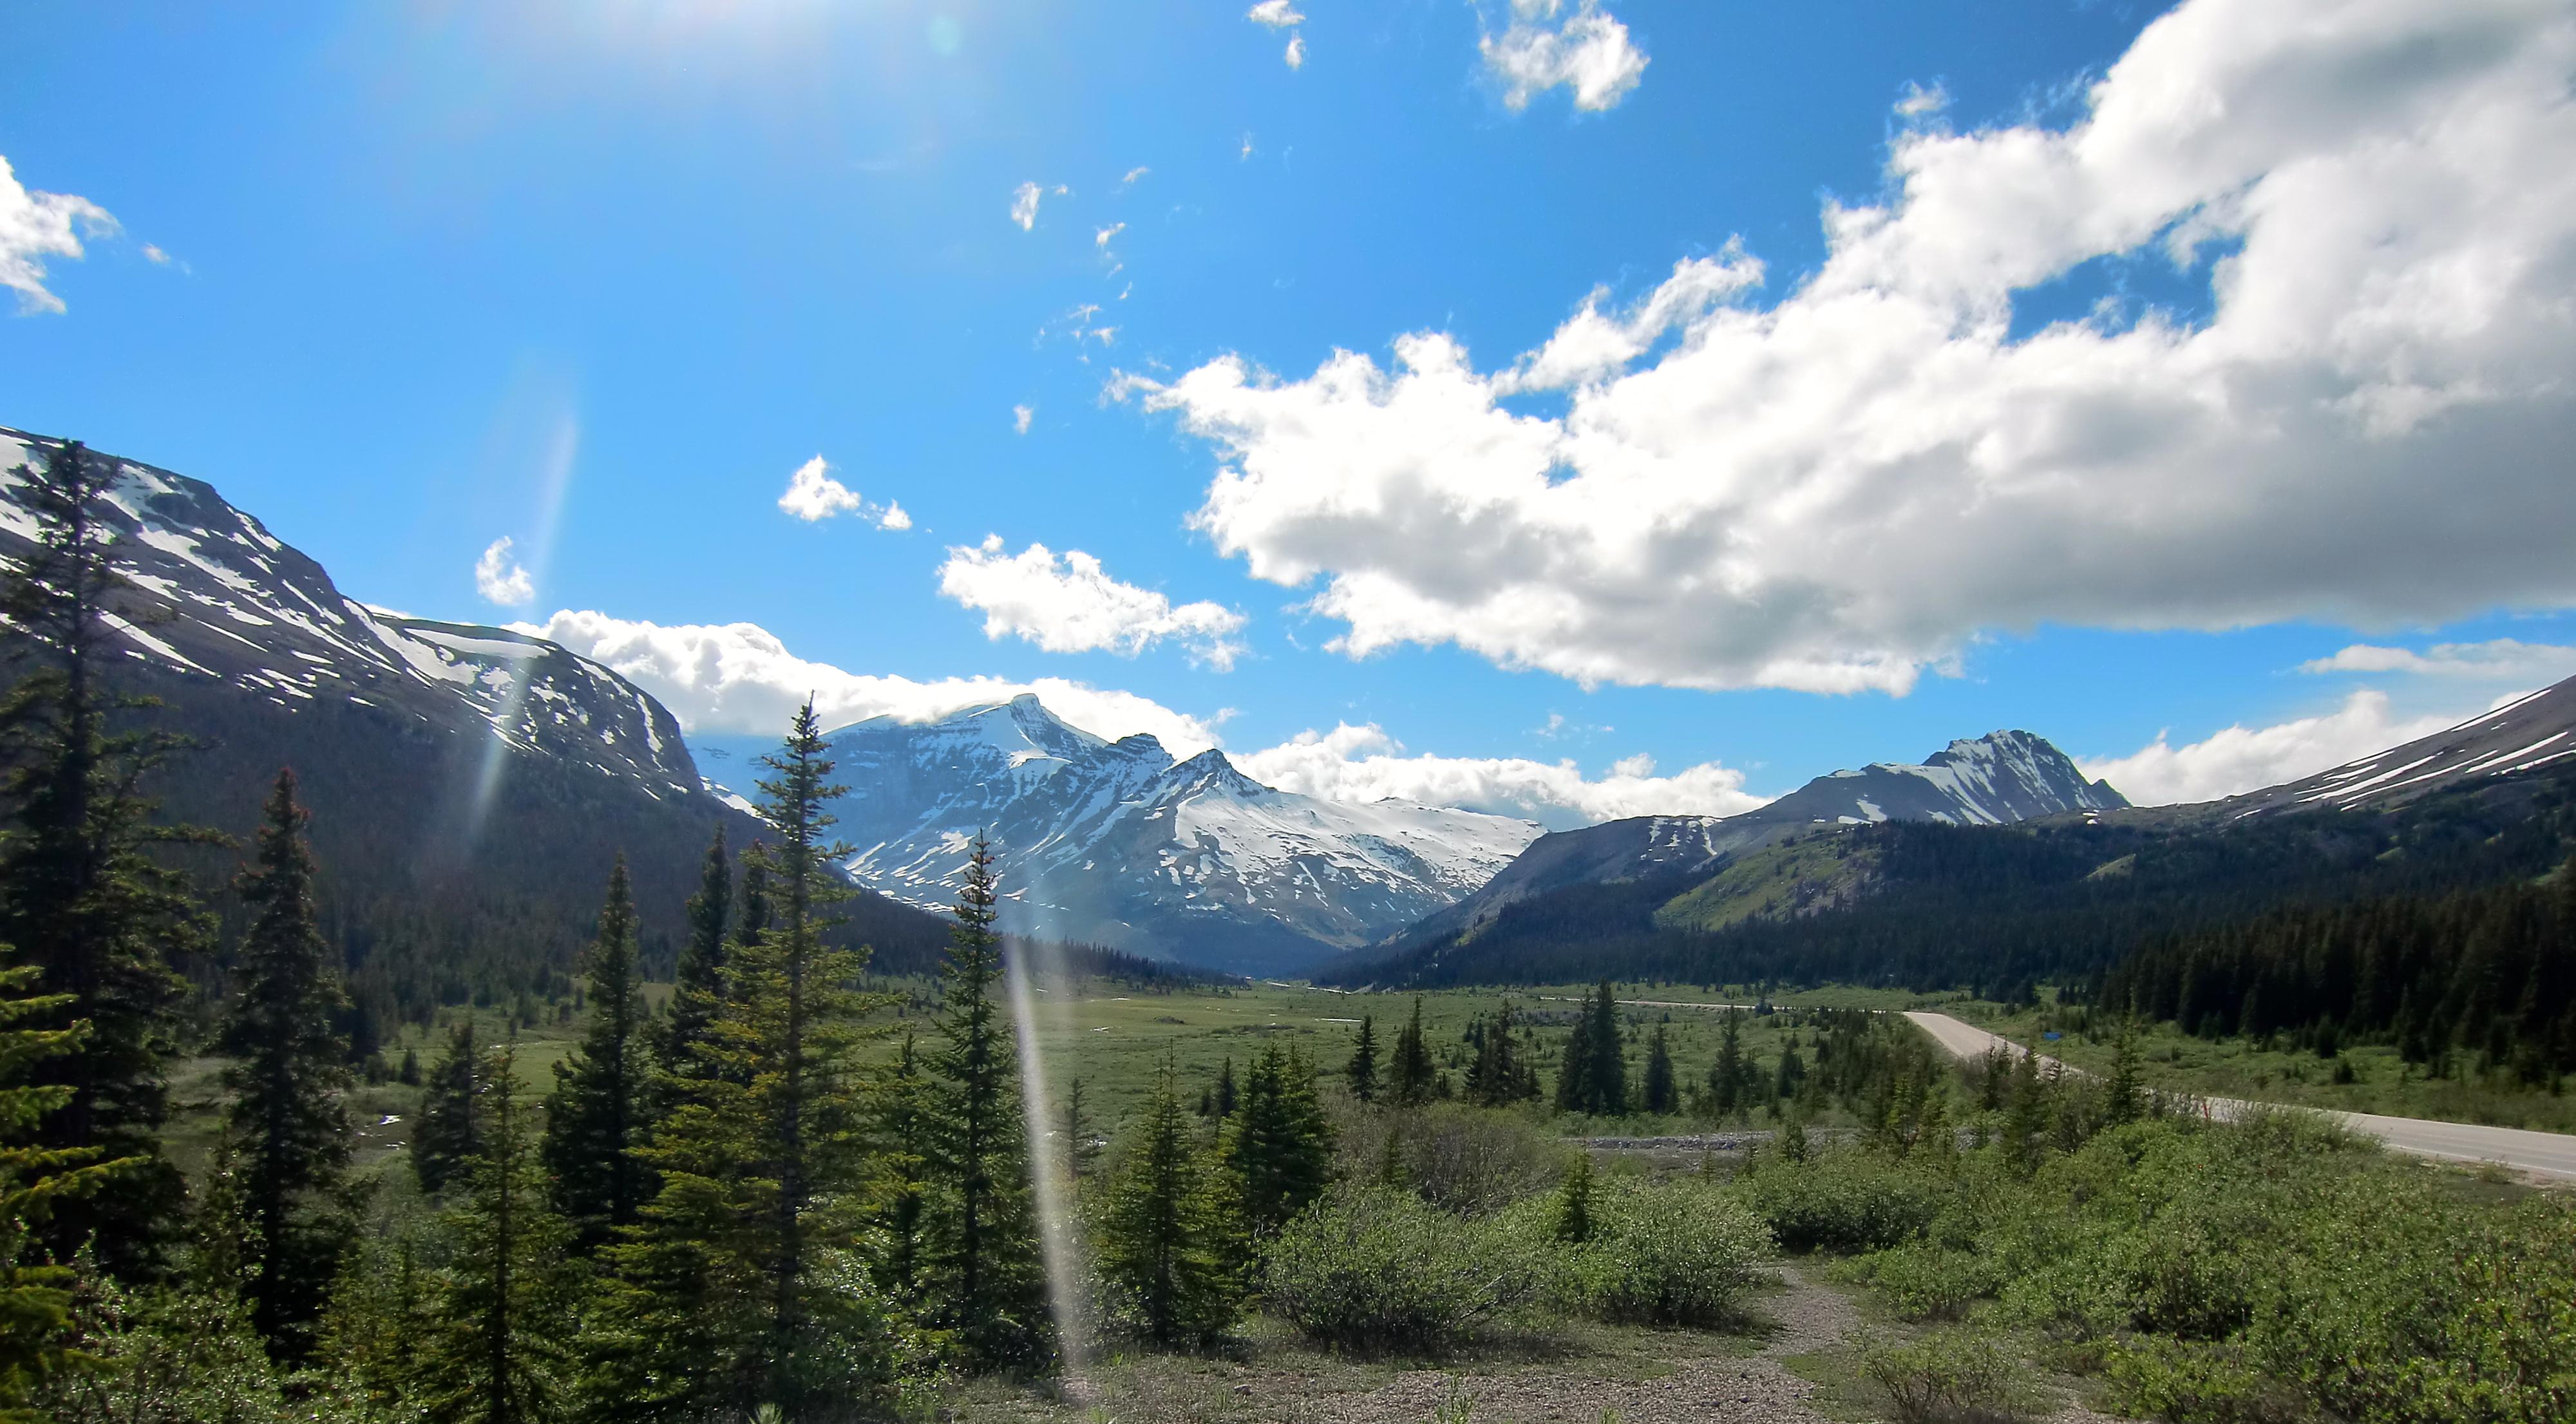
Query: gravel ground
(1675, 1377)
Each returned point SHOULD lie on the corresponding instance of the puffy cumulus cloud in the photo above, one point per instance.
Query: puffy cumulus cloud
(1068, 604)
(2500, 659)
(1365, 764)
(35, 226)
(2241, 759)
(738, 677)
(813, 495)
(1546, 43)
(1918, 102)
(1845, 488)
(499, 578)
(1277, 14)
(1295, 54)
(1021, 415)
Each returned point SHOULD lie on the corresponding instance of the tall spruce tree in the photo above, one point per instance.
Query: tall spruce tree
(1413, 1079)
(721, 1296)
(596, 1117)
(1081, 1152)
(1361, 1075)
(898, 1187)
(1595, 1076)
(1660, 1092)
(79, 890)
(988, 1280)
(448, 1132)
(35, 1293)
(287, 1119)
(496, 1350)
(697, 989)
(1502, 1074)
(1728, 1076)
(1279, 1145)
(1163, 1237)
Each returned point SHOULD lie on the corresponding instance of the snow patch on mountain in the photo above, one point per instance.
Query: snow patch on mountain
(1117, 843)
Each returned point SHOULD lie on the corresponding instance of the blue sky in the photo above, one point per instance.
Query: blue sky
(407, 279)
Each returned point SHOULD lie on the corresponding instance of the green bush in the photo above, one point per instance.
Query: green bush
(1924, 1281)
(1954, 1377)
(1847, 1201)
(2190, 1383)
(1667, 1252)
(1378, 1268)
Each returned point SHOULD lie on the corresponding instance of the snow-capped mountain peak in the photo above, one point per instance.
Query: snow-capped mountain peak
(212, 594)
(1118, 843)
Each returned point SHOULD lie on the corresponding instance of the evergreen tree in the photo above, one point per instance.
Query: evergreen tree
(79, 890)
(1080, 1152)
(448, 1133)
(1224, 1100)
(1661, 1095)
(1727, 1077)
(755, 908)
(1163, 1236)
(1574, 1073)
(35, 1294)
(697, 988)
(1279, 1147)
(723, 1295)
(898, 1188)
(291, 1067)
(988, 1279)
(1361, 1075)
(1793, 1135)
(1609, 1070)
(1501, 1074)
(1412, 1073)
(495, 1348)
(2025, 1115)
(596, 1115)
(1574, 1201)
(2124, 1099)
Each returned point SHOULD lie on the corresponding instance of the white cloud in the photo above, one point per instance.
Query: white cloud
(1134, 174)
(1245, 152)
(2499, 660)
(35, 226)
(1277, 14)
(1365, 764)
(738, 677)
(1100, 238)
(1024, 205)
(1586, 51)
(155, 255)
(1021, 415)
(1068, 604)
(813, 495)
(1847, 488)
(1296, 52)
(1917, 101)
(2241, 759)
(499, 578)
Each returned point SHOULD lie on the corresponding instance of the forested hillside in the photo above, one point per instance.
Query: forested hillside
(2000, 908)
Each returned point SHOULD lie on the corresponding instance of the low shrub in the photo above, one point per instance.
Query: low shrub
(1378, 1268)
(1953, 1377)
(1847, 1201)
(2190, 1383)
(1668, 1252)
(1923, 1281)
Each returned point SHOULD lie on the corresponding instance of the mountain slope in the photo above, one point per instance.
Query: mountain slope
(1116, 843)
(2530, 732)
(1997, 779)
(470, 786)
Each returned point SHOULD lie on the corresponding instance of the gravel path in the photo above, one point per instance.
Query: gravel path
(1747, 1390)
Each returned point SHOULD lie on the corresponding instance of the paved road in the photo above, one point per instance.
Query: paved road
(2542, 1154)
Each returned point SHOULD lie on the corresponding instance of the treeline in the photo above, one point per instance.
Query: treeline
(2001, 908)
(2488, 973)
